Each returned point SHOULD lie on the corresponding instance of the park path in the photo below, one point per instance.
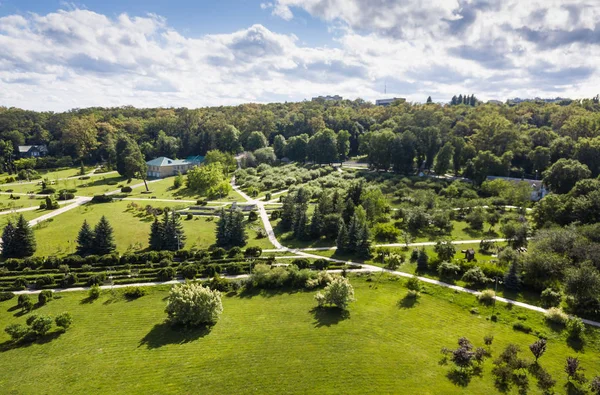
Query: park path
(32, 208)
(73, 204)
(90, 174)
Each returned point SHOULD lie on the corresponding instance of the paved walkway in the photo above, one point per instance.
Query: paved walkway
(32, 208)
(73, 204)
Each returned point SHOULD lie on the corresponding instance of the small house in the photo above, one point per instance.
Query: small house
(32, 151)
(164, 167)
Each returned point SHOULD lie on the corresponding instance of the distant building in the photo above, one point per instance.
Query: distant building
(32, 151)
(387, 102)
(327, 98)
(165, 167)
(538, 190)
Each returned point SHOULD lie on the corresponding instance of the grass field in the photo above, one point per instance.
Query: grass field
(6, 203)
(163, 189)
(273, 343)
(131, 228)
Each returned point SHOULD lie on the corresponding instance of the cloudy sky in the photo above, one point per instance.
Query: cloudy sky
(57, 55)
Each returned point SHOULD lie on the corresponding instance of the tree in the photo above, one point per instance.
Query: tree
(538, 348)
(443, 158)
(265, 155)
(322, 147)
(343, 144)
(445, 250)
(595, 385)
(297, 148)
(574, 370)
(316, 223)
(564, 174)
(171, 229)
(9, 244)
(81, 134)
(339, 292)
(203, 178)
(226, 159)
(475, 219)
(193, 305)
(156, 235)
(511, 279)
(130, 160)
(85, 240)
(342, 237)
(230, 230)
(103, 237)
(279, 146)
(422, 261)
(40, 325)
(18, 241)
(429, 101)
(582, 284)
(256, 140)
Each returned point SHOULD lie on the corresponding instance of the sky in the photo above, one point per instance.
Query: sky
(57, 55)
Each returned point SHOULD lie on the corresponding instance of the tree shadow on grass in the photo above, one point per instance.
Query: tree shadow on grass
(573, 389)
(459, 378)
(87, 300)
(575, 343)
(164, 334)
(26, 342)
(407, 302)
(327, 316)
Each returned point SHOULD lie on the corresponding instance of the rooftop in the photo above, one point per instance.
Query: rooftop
(164, 161)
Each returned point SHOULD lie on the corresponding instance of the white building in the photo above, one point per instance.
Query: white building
(387, 102)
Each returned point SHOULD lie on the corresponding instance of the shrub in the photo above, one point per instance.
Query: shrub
(45, 296)
(63, 320)
(166, 273)
(411, 294)
(40, 325)
(217, 253)
(386, 232)
(301, 263)
(550, 298)
(189, 216)
(126, 189)
(414, 284)
(339, 292)
(43, 281)
(47, 191)
(189, 271)
(233, 252)
(134, 292)
(519, 326)
(575, 328)
(96, 279)
(448, 269)
(94, 292)
(16, 331)
(191, 304)
(254, 252)
(321, 264)
(475, 276)
(102, 199)
(4, 296)
(25, 303)
(486, 296)
(557, 316)
(253, 216)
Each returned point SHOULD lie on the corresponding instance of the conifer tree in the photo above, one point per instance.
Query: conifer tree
(85, 239)
(363, 247)
(103, 237)
(300, 224)
(173, 237)
(24, 239)
(342, 237)
(511, 279)
(177, 227)
(348, 210)
(422, 261)
(429, 101)
(287, 213)
(222, 231)
(8, 240)
(237, 230)
(316, 223)
(354, 233)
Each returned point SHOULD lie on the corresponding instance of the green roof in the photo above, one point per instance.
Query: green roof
(164, 161)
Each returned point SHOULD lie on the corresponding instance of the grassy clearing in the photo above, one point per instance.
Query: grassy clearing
(274, 343)
(95, 185)
(163, 189)
(131, 228)
(6, 203)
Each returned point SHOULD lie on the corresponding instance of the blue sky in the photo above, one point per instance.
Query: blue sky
(56, 55)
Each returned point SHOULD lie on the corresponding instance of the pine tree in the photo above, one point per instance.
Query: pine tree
(8, 238)
(169, 240)
(348, 210)
(222, 232)
(24, 239)
(85, 240)
(300, 224)
(287, 213)
(511, 279)
(103, 237)
(342, 237)
(316, 223)
(177, 229)
(363, 248)
(429, 101)
(156, 235)
(337, 204)
(354, 233)
(422, 261)
(237, 230)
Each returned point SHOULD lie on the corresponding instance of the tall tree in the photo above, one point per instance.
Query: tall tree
(342, 237)
(156, 235)
(130, 161)
(322, 147)
(103, 237)
(85, 240)
(443, 158)
(81, 134)
(8, 241)
(279, 146)
(256, 140)
(24, 239)
(343, 144)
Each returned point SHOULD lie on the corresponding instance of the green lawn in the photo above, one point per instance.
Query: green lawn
(131, 228)
(28, 215)
(163, 189)
(273, 343)
(6, 203)
(95, 185)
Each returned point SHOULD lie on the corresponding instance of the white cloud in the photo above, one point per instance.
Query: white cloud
(79, 58)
